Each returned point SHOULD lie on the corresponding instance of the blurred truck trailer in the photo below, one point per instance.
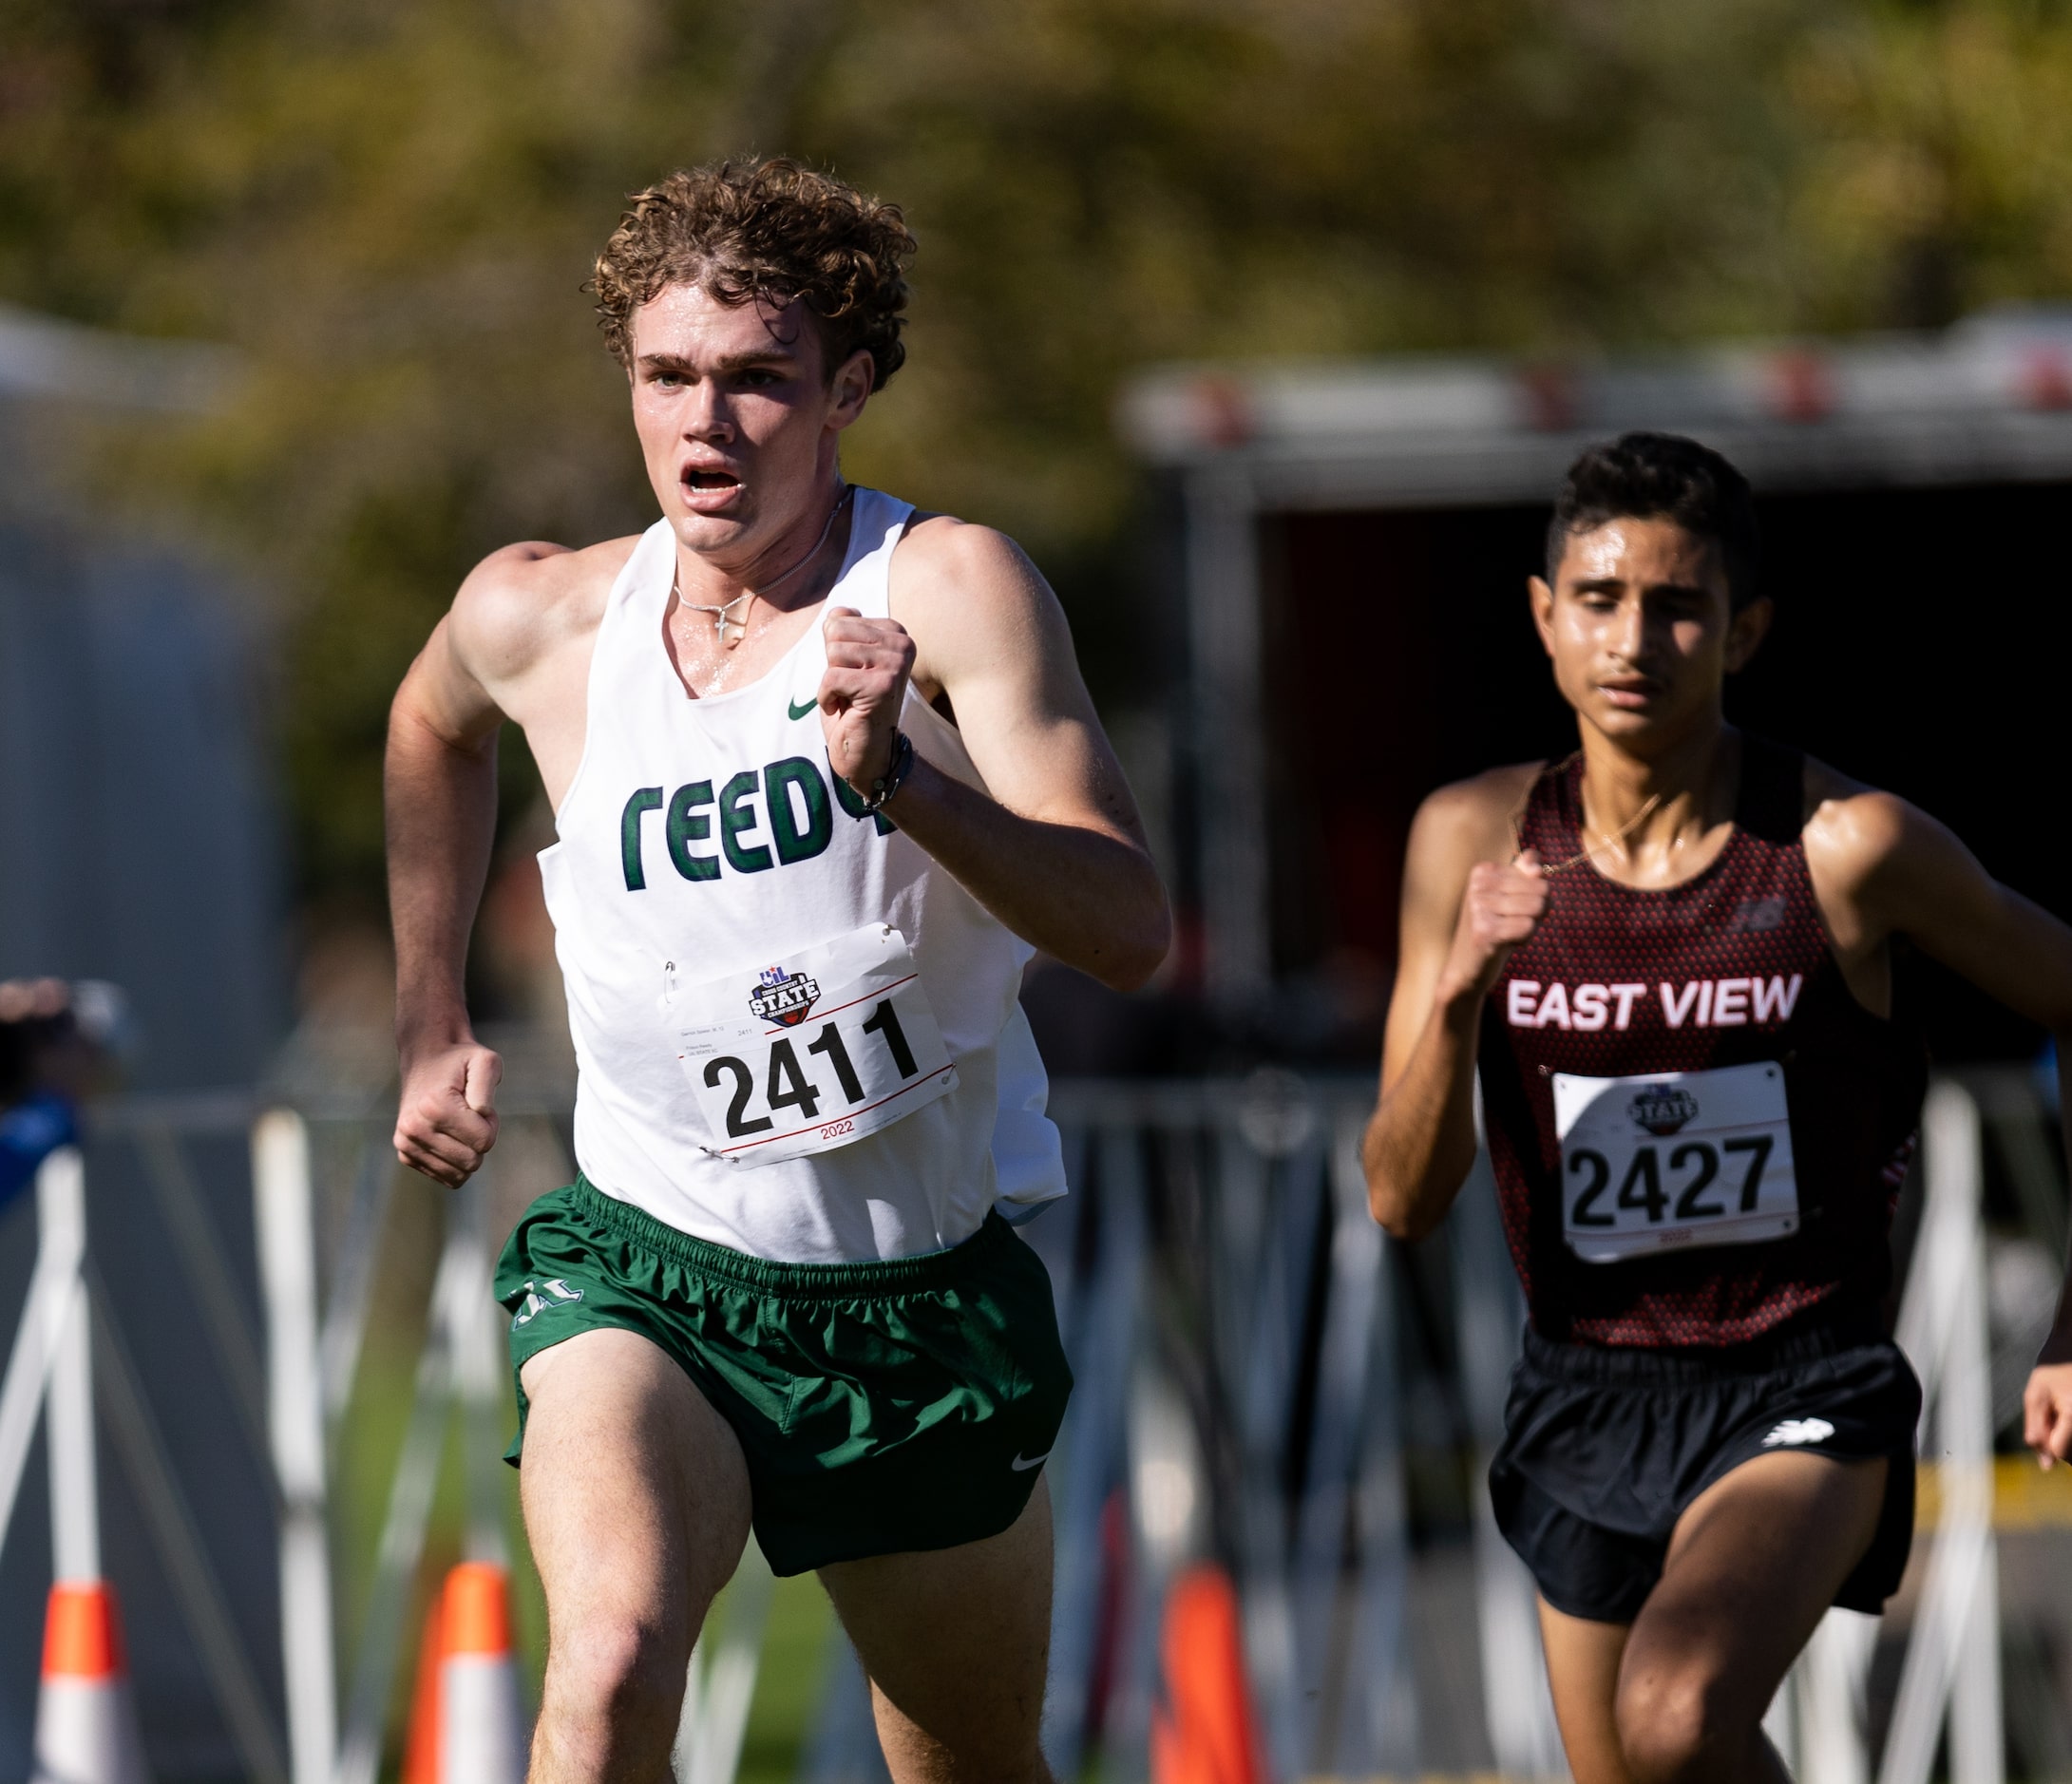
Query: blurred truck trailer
(1353, 540)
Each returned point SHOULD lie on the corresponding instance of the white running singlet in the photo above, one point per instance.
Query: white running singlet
(796, 1036)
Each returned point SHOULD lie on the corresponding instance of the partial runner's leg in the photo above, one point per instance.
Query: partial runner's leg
(636, 1506)
(1582, 1673)
(956, 1642)
(1754, 1564)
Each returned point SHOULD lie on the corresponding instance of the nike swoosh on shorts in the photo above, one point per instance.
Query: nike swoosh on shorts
(1021, 1462)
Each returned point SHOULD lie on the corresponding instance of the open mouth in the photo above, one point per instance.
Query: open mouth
(699, 479)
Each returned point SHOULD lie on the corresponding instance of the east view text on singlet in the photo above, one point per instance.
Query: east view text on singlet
(1698, 1133)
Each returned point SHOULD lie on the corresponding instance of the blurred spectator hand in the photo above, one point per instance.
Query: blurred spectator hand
(33, 999)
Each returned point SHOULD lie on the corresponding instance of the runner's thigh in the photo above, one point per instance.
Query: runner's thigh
(956, 1642)
(635, 1490)
(1754, 1564)
(1583, 1659)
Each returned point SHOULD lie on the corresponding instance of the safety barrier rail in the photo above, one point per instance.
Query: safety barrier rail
(1236, 1325)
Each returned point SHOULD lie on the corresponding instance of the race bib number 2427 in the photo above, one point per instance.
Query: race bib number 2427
(814, 1050)
(1674, 1159)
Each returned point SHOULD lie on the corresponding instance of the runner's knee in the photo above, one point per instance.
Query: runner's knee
(1673, 1726)
(919, 1757)
(620, 1670)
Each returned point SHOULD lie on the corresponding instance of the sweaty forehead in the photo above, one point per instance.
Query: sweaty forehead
(1645, 552)
(686, 322)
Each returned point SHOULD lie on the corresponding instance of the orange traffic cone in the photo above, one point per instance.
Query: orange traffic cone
(468, 1725)
(421, 1744)
(1209, 1737)
(86, 1721)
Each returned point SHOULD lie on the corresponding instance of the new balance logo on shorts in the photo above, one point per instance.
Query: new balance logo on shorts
(1796, 1431)
(542, 1296)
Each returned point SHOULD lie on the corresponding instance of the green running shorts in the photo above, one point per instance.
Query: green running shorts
(882, 1407)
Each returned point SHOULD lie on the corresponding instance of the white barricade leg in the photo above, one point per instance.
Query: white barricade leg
(286, 1231)
(61, 1244)
(480, 1377)
(1781, 1724)
(1976, 1753)
(402, 1542)
(86, 1720)
(1952, 1653)
(75, 1506)
(1827, 1688)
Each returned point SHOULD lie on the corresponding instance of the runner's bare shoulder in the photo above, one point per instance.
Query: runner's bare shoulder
(1852, 830)
(967, 580)
(520, 603)
(939, 547)
(1470, 821)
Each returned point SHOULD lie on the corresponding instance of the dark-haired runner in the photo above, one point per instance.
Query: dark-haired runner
(1670, 957)
(823, 771)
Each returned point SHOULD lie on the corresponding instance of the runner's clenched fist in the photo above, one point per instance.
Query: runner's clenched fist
(2047, 1411)
(447, 1118)
(1499, 911)
(868, 664)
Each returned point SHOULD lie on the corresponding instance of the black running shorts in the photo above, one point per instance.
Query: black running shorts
(1605, 1449)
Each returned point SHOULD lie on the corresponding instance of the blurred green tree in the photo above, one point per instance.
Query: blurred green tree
(389, 205)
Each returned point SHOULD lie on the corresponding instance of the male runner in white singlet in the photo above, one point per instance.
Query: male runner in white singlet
(1671, 958)
(824, 774)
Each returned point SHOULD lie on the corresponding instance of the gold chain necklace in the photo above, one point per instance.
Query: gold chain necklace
(1624, 831)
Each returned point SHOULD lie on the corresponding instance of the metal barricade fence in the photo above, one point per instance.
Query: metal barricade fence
(1236, 1325)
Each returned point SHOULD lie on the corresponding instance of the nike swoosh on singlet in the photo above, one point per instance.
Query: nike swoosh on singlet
(1023, 1462)
(800, 711)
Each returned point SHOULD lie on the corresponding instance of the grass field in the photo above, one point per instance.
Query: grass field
(788, 1689)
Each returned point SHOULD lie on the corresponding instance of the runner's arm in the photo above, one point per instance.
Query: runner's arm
(1054, 848)
(1916, 879)
(1462, 915)
(439, 791)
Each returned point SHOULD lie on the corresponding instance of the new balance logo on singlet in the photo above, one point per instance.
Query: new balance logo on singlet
(1700, 1003)
(786, 802)
(1756, 917)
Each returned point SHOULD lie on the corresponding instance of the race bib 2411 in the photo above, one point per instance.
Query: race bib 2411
(1675, 1160)
(814, 1050)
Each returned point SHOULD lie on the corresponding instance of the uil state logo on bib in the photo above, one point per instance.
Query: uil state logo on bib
(1662, 1109)
(782, 997)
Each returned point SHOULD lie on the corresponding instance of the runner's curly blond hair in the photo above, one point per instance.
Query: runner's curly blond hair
(764, 231)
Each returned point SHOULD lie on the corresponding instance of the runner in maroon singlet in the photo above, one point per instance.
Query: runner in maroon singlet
(1729, 967)
(1670, 956)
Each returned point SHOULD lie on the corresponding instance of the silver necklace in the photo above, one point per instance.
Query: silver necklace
(722, 617)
